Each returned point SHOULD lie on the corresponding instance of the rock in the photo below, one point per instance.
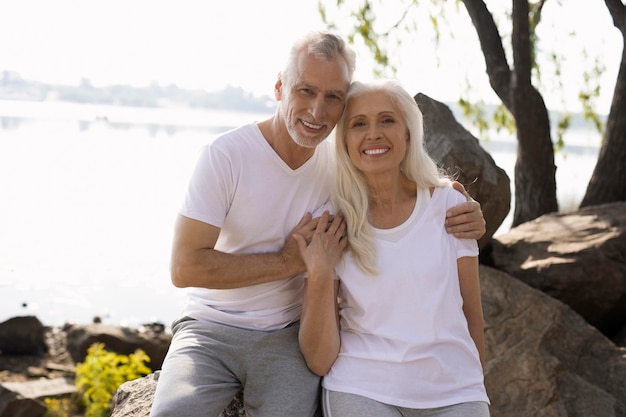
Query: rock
(117, 339)
(14, 405)
(459, 152)
(41, 388)
(134, 399)
(24, 399)
(543, 359)
(22, 336)
(578, 258)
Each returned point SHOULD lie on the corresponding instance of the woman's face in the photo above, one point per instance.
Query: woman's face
(376, 133)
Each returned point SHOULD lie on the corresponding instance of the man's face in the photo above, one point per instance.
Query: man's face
(314, 100)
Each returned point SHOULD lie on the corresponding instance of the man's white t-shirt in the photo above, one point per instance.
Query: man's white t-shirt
(404, 337)
(243, 187)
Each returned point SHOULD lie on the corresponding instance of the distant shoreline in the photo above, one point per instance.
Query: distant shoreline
(116, 114)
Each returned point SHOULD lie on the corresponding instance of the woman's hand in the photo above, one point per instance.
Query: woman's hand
(323, 251)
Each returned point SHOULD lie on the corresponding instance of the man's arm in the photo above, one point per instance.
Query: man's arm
(195, 262)
(466, 220)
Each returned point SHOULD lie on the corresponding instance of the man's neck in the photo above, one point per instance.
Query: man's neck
(275, 133)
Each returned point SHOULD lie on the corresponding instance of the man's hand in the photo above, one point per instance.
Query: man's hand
(466, 220)
(290, 251)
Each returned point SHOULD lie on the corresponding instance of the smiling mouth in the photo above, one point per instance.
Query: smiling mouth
(312, 126)
(377, 151)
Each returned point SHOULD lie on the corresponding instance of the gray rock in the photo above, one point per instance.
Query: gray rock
(578, 258)
(543, 359)
(117, 339)
(22, 336)
(460, 153)
(13, 404)
(42, 388)
(134, 398)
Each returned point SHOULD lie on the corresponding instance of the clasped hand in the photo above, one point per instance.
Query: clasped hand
(322, 249)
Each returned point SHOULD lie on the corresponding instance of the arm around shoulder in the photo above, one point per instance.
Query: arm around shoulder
(466, 220)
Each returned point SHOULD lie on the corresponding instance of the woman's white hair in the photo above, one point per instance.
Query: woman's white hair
(351, 196)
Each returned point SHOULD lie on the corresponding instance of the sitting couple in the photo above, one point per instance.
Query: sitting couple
(264, 282)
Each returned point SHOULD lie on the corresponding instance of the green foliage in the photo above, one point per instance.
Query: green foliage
(365, 16)
(60, 407)
(477, 113)
(103, 372)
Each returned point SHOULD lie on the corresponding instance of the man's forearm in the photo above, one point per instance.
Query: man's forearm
(209, 268)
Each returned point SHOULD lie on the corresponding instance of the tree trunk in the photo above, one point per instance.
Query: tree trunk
(608, 181)
(535, 181)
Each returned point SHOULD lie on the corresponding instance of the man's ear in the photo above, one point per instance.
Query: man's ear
(278, 89)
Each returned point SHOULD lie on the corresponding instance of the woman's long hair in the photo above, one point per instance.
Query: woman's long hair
(351, 196)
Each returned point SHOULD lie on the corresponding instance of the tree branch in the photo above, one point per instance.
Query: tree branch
(618, 13)
(498, 68)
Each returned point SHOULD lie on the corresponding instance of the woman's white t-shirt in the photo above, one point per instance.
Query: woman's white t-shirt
(404, 337)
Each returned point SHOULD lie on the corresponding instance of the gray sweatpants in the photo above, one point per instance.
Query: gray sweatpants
(208, 363)
(341, 404)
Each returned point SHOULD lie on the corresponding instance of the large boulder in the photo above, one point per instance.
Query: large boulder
(121, 340)
(578, 258)
(460, 153)
(545, 360)
(24, 335)
(134, 399)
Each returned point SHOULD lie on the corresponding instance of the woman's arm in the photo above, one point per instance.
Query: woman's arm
(319, 325)
(472, 305)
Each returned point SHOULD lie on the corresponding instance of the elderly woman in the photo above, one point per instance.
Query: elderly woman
(395, 323)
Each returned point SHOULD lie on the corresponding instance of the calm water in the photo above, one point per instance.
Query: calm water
(88, 196)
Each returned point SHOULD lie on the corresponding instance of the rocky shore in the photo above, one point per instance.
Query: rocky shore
(55, 362)
(38, 362)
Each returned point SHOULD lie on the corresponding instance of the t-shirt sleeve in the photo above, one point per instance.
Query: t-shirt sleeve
(209, 192)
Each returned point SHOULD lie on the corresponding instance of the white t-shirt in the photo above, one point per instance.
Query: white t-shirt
(243, 187)
(404, 337)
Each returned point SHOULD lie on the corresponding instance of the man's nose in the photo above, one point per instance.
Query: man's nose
(318, 107)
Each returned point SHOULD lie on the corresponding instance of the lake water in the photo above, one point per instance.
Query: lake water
(88, 196)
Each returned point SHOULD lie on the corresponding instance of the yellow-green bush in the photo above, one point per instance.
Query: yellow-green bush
(61, 407)
(101, 374)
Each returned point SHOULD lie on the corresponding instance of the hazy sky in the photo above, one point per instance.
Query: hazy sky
(208, 44)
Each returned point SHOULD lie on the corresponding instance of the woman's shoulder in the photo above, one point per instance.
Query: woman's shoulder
(447, 195)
